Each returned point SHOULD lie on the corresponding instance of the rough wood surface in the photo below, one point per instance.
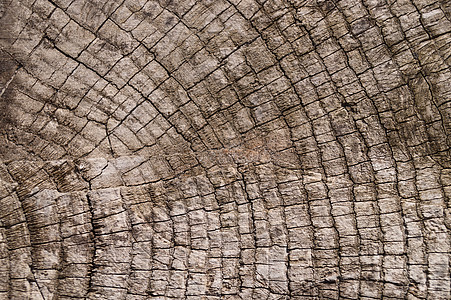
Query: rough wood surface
(225, 149)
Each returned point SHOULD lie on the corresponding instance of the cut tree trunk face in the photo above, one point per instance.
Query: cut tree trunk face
(225, 149)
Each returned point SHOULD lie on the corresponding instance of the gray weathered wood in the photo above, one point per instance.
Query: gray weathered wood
(225, 149)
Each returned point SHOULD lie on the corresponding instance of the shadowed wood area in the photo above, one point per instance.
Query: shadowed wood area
(225, 149)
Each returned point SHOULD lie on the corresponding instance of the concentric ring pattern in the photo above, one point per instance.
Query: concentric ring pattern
(225, 149)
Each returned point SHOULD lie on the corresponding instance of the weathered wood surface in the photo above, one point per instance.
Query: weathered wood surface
(225, 149)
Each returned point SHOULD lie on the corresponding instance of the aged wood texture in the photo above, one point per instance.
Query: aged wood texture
(225, 149)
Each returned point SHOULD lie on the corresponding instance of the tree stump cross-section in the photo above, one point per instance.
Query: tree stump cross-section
(227, 149)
